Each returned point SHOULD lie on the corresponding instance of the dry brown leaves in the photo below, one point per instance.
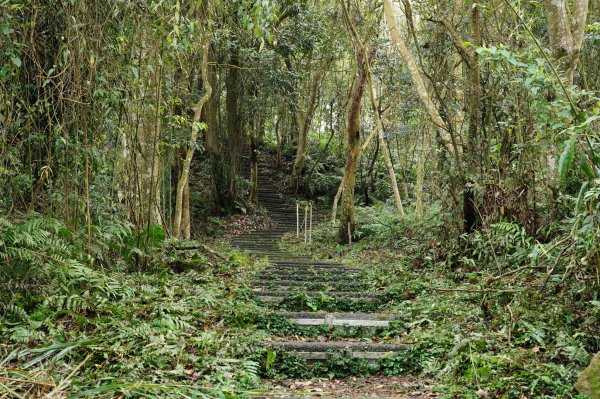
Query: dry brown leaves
(352, 388)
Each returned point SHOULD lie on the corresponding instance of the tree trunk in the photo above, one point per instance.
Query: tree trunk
(183, 181)
(278, 138)
(420, 178)
(144, 178)
(566, 32)
(219, 187)
(303, 118)
(353, 149)
(253, 197)
(448, 140)
(234, 131)
(302, 127)
(186, 222)
(383, 145)
(474, 92)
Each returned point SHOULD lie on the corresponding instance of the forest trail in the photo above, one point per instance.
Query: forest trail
(352, 312)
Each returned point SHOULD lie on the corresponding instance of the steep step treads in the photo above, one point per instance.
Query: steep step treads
(292, 282)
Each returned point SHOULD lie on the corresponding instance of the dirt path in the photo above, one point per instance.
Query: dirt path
(351, 388)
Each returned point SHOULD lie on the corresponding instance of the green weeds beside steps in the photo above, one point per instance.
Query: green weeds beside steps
(339, 364)
(172, 320)
(71, 330)
(497, 313)
(302, 301)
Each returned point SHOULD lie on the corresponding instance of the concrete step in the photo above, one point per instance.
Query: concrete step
(311, 350)
(334, 294)
(276, 275)
(311, 264)
(313, 285)
(270, 248)
(373, 320)
(311, 272)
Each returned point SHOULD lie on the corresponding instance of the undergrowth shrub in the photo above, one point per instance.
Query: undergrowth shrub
(69, 325)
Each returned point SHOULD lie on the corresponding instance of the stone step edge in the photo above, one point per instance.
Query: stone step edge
(306, 282)
(343, 294)
(275, 300)
(339, 315)
(324, 347)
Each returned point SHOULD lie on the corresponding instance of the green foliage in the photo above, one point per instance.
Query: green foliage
(449, 292)
(150, 332)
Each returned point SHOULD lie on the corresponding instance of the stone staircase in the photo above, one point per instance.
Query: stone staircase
(289, 277)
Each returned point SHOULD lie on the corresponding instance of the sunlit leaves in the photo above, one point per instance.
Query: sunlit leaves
(258, 16)
(566, 158)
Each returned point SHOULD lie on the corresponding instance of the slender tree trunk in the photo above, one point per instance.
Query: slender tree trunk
(216, 161)
(253, 197)
(186, 221)
(448, 139)
(183, 181)
(353, 150)
(420, 178)
(234, 131)
(146, 189)
(383, 145)
(474, 91)
(303, 120)
(278, 138)
(302, 127)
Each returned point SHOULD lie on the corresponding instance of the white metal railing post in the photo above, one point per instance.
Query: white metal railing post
(297, 220)
(305, 223)
(310, 224)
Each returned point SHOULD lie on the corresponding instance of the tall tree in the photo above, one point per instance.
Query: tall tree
(566, 27)
(181, 225)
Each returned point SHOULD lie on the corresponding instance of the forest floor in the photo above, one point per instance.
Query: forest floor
(182, 319)
(468, 342)
(352, 388)
(186, 322)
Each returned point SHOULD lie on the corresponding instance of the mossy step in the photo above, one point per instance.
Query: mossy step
(340, 315)
(268, 248)
(374, 320)
(314, 271)
(309, 285)
(293, 260)
(309, 273)
(306, 275)
(263, 250)
(338, 294)
(311, 350)
(283, 264)
(256, 239)
(281, 277)
(271, 233)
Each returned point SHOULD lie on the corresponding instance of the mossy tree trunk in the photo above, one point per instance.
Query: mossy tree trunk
(181, 225)
(353, 148)
(234, 130)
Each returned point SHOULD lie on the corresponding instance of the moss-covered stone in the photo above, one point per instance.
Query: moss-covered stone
(588, 382)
